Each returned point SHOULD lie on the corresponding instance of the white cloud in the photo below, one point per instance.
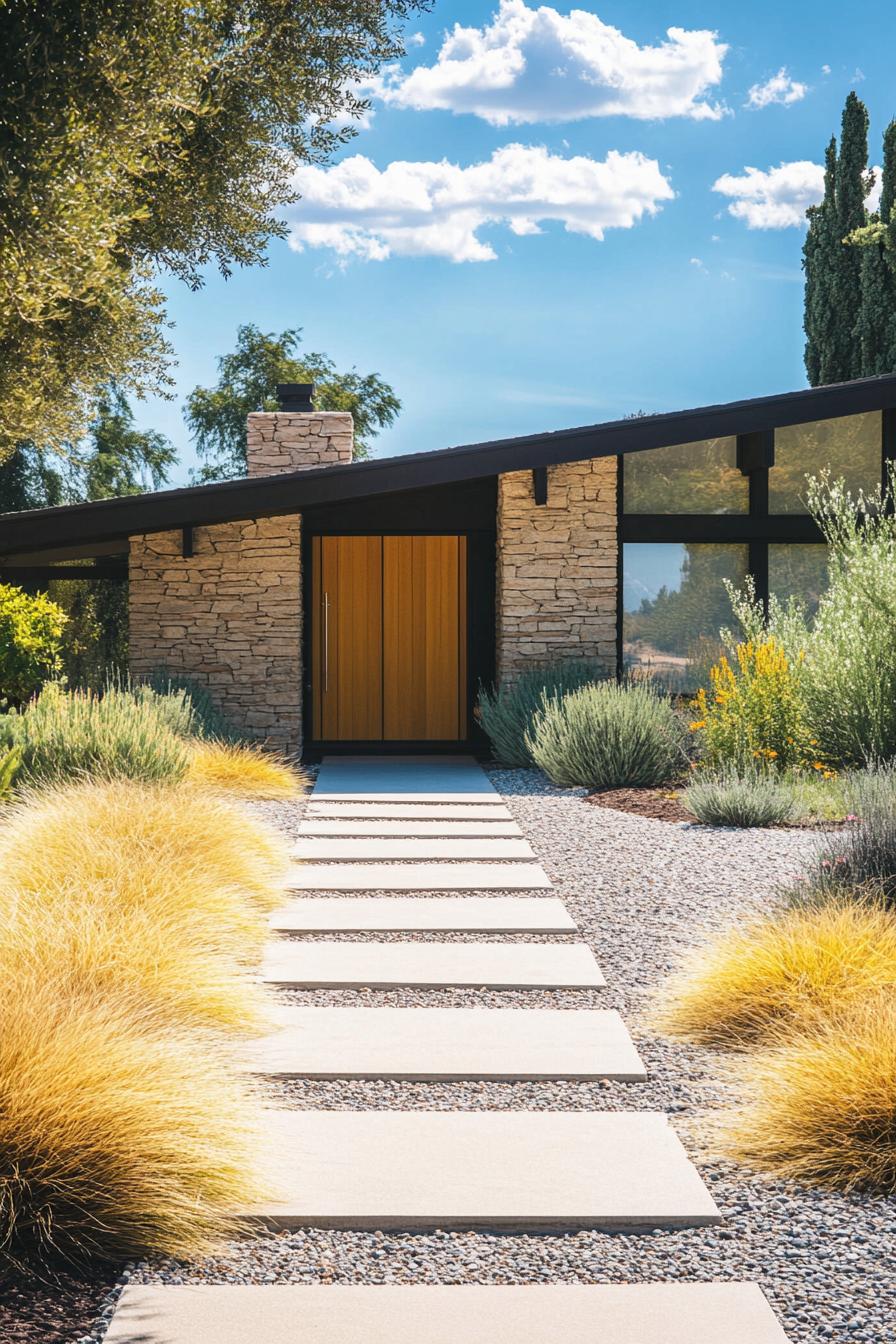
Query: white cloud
(538, 65)
(416, 40)
(698, 264)
(779, 89)
(779, 197)
(825, 69)
(437, 209)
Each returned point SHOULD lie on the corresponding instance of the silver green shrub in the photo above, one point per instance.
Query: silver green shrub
(506, 711)
(64, 735)
(191, 703)
(733, 798)
(608, 736)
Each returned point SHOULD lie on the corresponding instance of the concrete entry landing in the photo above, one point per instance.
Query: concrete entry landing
(284, 1313)
(480, 1169)
(438, 914)
(447, 1043)
(383, 779)
(309, 965)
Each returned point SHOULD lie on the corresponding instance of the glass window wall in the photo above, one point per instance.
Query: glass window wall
(674, 605)
(849, 447)
(687, 478)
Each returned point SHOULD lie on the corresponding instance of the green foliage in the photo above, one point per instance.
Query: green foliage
(859, 861)
(114, 458)
(506, 712)
(10, 762)
(145, 136)
(844, 690)
(31, 629)
(608, 736)
(729, 797)
(247, 382)
(65, 735)
(849, 686)
(849, 261)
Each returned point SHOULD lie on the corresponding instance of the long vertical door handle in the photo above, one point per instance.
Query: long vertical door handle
(326, 605)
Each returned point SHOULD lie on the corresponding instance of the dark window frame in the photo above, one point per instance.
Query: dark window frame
(758, 528)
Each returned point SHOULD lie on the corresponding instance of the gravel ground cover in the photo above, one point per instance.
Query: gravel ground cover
(642, 891)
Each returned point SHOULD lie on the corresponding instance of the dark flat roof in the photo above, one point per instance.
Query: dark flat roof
(84, 528)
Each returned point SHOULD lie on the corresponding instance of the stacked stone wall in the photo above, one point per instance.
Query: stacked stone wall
(229, 616)
(556, 580)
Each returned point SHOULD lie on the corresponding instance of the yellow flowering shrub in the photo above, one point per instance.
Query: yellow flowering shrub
(752, 713)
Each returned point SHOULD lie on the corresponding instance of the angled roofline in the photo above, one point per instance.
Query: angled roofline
(292, 492)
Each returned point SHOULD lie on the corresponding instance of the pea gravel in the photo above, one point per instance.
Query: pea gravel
(643, 892)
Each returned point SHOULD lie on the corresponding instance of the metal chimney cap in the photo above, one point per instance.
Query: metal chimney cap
(295, 396)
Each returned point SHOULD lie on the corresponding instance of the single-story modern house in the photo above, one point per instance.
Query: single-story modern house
(331, 603)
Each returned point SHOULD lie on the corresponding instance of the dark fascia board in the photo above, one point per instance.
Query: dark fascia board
(291, 492)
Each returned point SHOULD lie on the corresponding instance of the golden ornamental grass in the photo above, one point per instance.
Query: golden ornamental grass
(244, 771)
(130, 919)
(137, 838)
(821, 1104)
(781, 971)
(119, 1136)
(176, 964)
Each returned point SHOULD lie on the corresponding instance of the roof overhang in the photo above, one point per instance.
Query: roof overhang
(84, 526)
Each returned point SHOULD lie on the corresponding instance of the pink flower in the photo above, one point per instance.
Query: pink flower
(851, 816)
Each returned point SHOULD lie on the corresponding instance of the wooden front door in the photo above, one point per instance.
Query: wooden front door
(389, 639)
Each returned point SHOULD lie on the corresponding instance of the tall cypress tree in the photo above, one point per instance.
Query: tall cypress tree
(819, 253)
(833, 266)
(875, 329)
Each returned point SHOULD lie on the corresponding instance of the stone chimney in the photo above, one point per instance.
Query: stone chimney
(296, 436)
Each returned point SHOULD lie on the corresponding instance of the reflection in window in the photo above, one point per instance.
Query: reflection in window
(849, 447)
(686, 478)
(798, 571)
(674, 604)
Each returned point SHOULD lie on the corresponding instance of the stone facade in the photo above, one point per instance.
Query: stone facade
(230, 615)
(556, 580)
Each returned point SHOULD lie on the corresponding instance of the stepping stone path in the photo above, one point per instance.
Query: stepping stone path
(447, 1043)
(358, 849)
(431, 965)
(526, 1170)
(418, 877)
(411, 811)
(493, 914)
(636, 1313)
(387, 827)
(425, 825)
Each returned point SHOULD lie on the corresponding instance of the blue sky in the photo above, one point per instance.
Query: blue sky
(555, 128)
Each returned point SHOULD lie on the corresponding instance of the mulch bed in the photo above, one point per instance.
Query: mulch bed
(54, 1311)
(661, 804)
